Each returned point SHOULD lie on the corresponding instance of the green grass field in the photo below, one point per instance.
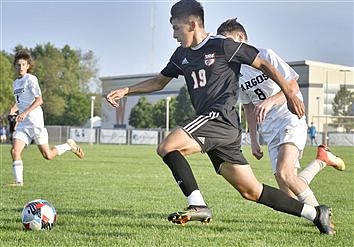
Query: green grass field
(120, 196)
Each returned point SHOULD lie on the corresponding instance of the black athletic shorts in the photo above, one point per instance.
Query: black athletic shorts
(218, 138)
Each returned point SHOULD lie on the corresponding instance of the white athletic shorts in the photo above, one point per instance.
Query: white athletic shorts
(38, 135)
(294, 131)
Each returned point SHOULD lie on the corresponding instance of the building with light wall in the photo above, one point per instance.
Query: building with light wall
(319, 82)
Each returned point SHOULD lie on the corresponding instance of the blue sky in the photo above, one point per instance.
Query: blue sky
(132, 37)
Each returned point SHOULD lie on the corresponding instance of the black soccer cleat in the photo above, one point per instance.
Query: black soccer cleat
(323, 220)
(192, 213)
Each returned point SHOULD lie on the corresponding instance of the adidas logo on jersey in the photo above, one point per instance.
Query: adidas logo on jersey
(185, 61)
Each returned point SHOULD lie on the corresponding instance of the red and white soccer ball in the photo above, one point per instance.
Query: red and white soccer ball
(39, 214)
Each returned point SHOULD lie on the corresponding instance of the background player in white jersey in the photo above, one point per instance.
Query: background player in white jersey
(206, 62)
(30, 123)
(284, 133)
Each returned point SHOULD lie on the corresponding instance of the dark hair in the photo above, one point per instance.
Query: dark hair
(25, 55)
(231, 25)
(186, 8)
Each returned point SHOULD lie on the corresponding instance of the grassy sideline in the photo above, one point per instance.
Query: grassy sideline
(120, 196)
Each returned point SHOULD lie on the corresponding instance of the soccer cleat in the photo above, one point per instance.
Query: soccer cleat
(323, 220)
(325, 155)
(192, 213)
(75, 148)
(16, 184)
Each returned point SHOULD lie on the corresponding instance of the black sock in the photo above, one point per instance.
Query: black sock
(181, 171)
(280, 201)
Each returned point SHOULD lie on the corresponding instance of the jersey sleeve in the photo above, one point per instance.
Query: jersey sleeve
(34, 86)
(239, 52)
(173, 68)
(288, 72)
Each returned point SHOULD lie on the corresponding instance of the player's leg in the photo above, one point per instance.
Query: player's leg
(273, 155)
(47, 152)
(40, 136)
(324, 157)
(288, 156)
(284, 187)
(41, 139)
(195, 136)
(242, 179)
(19, 142)
(177, 144)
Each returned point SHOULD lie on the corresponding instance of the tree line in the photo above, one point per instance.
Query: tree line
(147, 115)
(66, 77)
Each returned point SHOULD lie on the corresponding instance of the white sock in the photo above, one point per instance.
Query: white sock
(311, 170)
(17, 168)
(308, 197)
(196, 198)
(62, 148)
(308, 212)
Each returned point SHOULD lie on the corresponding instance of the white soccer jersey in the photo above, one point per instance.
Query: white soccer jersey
(26, 89)
(255, 87)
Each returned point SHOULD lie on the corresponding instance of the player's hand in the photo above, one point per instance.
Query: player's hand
(20, 117)
(296, 106)
(262, 109)
(115, 95)
(257, 151)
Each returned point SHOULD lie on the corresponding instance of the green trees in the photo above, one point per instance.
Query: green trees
(7, 76)
(184, 109)
(147, 115)
(65, 77)
(343, 107)
(141, 114)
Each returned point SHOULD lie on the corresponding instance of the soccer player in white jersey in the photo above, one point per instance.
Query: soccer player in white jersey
(284, 133)
(30, 122)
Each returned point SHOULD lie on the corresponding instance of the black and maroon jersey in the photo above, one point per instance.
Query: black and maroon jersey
(211, 71)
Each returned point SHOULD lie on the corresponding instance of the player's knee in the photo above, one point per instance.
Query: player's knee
(15, 152)
(284, 176)
(47, 155)
(251, 196)
(161, 150)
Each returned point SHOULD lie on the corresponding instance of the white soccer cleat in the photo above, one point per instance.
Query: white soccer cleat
(76, 148)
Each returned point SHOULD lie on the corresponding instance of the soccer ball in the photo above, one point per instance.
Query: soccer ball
(39, 214)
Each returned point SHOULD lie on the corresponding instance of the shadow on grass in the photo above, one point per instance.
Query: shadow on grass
(89, 212)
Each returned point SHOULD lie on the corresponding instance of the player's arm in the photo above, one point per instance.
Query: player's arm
(150, 85)
(13, 109)
(252, 126)
(277, 99)
(37, 102)
(295, 105)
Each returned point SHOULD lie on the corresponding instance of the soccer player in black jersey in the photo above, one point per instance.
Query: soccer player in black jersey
(207, 64)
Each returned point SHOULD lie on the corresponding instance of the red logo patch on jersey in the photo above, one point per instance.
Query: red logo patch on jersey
(209, 59)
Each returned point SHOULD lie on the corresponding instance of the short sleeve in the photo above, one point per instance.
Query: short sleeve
(239, 52)
(288, 72)
(173, 69)
(34, 86)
